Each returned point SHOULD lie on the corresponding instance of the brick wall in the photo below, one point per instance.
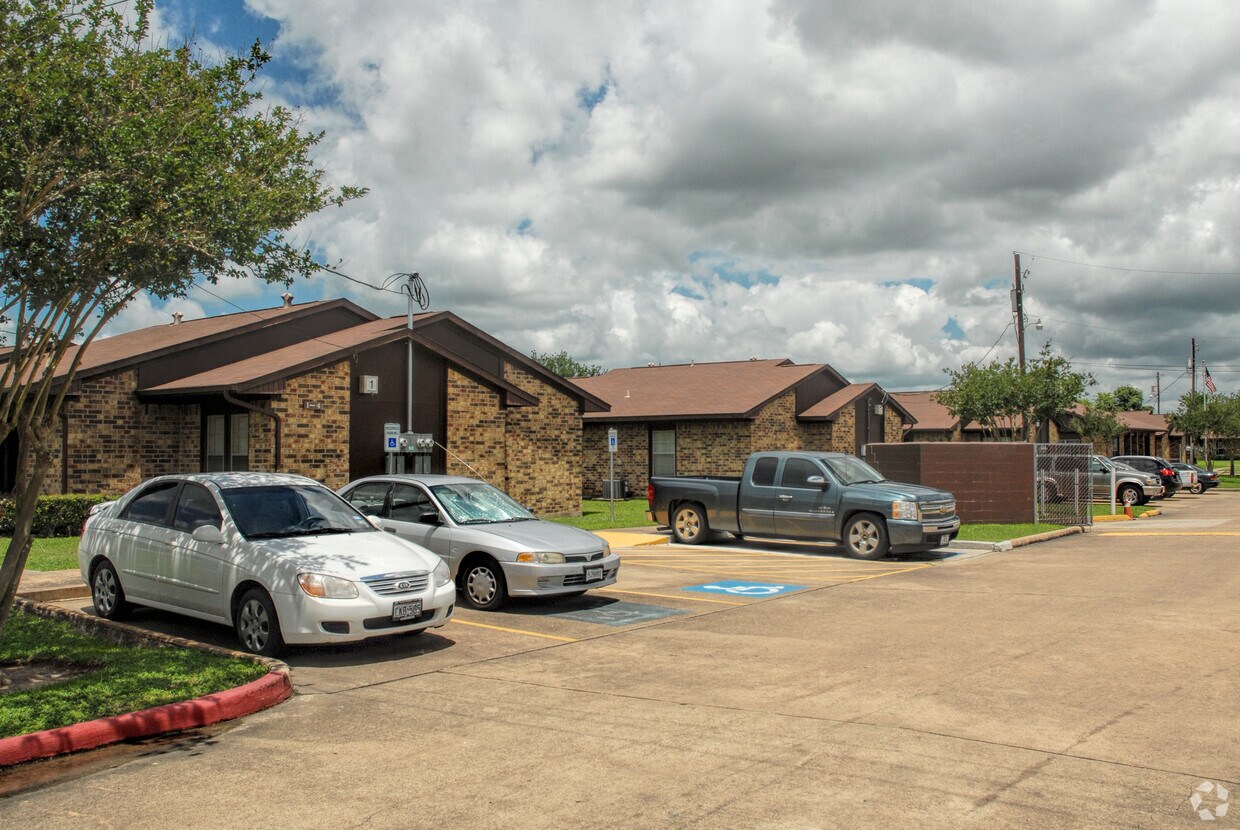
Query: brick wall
(775, 426)
(717, 448)
(475, 431)
(115, 441)
(531, 452)
(992, 482)
(632, 457)
(314, 442)
(893, 427)
(544, 448)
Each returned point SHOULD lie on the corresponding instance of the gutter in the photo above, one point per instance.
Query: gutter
(228, 396)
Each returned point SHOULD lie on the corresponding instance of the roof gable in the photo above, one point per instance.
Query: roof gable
(696, 390)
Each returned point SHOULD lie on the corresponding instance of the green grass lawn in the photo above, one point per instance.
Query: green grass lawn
(596, 515)
(56, 554)
(122, 678)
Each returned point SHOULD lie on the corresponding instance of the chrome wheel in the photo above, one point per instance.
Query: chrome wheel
(258, 627)
(865, 537)
(689, 525)
(105, 592)
(484, 586)
(1129, 496)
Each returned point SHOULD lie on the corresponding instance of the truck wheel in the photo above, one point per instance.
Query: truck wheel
(865, 537)
(1129, 495)
(689, 525)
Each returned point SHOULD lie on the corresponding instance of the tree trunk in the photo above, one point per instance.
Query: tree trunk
(26, 499)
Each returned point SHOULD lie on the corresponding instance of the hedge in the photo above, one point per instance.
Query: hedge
(53, 515)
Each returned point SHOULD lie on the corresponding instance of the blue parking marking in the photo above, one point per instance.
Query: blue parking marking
(740, 588)
(619, 614)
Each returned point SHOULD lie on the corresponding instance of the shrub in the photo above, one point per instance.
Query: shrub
(54, 515)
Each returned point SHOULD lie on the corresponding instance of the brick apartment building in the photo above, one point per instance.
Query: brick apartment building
(307, 388)
(706, 418)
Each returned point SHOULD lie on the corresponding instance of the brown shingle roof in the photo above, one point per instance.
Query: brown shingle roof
(829, 407)
(925, 407)
(695, 390)
(285, 362)
(113, 352)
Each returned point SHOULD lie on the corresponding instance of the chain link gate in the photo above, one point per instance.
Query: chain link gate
(1062, 494)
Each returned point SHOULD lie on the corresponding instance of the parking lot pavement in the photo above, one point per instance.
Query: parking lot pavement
(1084, 682)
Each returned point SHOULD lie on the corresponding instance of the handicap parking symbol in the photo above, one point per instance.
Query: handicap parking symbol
(738, 588)
(392, 442)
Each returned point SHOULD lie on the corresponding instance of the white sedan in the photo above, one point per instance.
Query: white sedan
(281, 558)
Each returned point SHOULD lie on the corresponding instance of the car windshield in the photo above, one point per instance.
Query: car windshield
(275, 511)
(471, 503)
(852, 470)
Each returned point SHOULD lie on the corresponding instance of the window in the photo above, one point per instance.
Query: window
(152, 504)
(797, 472)
(196, 507)
(663, 452)
(764, 471)
(228, 442)
(369, 498)
(409, 503)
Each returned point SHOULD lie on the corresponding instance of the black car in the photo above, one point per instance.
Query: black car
(1205, 478)
(1154, 464)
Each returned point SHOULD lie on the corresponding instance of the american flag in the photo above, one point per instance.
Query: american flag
(1209, 380)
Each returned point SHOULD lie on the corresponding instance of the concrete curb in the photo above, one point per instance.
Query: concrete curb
(267, 691)
(229, 704)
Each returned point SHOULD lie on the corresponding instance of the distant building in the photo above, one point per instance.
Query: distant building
(706, 418)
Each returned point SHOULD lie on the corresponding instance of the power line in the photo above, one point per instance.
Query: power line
(1134, 270)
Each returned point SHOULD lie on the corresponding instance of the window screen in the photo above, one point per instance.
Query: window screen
(663, 452)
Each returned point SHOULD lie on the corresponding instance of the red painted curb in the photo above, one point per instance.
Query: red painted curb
(268, 690)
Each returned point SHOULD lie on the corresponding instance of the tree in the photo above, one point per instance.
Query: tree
(124, 168)
(1007, 402)
(565, 366)
(1128, 398)
(1099, 423)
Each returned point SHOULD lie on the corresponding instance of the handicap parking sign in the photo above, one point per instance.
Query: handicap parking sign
(740, 588)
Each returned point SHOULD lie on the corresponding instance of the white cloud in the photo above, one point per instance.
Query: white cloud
(636, 182)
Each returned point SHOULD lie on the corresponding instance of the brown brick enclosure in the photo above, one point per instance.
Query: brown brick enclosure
(991, 482)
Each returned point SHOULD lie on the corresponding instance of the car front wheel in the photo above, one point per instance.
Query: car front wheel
(865, 537)
(258, 627)
(1129, 495)
(106, 593)
(483, 585)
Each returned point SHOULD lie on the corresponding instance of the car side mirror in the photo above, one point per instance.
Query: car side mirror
(430, 517)
(208, 533)
(817, 481)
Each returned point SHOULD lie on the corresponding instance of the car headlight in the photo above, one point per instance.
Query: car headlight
(907, 510)
(543, 557)
(443, 576)
(327, 587)
(606, 549)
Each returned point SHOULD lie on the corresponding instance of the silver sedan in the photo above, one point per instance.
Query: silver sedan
(494, 547)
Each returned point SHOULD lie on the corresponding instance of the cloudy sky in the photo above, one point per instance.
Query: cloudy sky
(839, 181)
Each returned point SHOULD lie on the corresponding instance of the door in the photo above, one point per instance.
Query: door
(757, 497)
(198, 568)
(1100, 480)
(407, 504)
(144, 547)
(805, 510)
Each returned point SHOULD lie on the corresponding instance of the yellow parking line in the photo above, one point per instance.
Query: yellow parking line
(1168, 533)
(891, 573)
(515, 631)
(669, 596)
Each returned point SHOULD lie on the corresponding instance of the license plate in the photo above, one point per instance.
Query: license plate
(406, 609)
(594, 574)
(945, 538)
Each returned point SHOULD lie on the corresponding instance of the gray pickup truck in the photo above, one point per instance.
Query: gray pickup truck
(817, 496)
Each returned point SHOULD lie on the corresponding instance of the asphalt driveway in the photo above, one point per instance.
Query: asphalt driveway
(1084, 682)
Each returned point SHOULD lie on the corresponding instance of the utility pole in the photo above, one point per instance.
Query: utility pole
(1192, 368)
(1018, 308)
(1157, 390)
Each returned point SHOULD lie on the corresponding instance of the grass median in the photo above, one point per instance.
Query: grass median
(103, 678)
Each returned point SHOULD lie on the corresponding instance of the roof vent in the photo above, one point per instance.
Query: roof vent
(176, 317)
(288, 299)
(753, 357)
(650, 364)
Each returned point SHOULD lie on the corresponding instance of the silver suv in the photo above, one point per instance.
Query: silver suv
(1131, 485)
